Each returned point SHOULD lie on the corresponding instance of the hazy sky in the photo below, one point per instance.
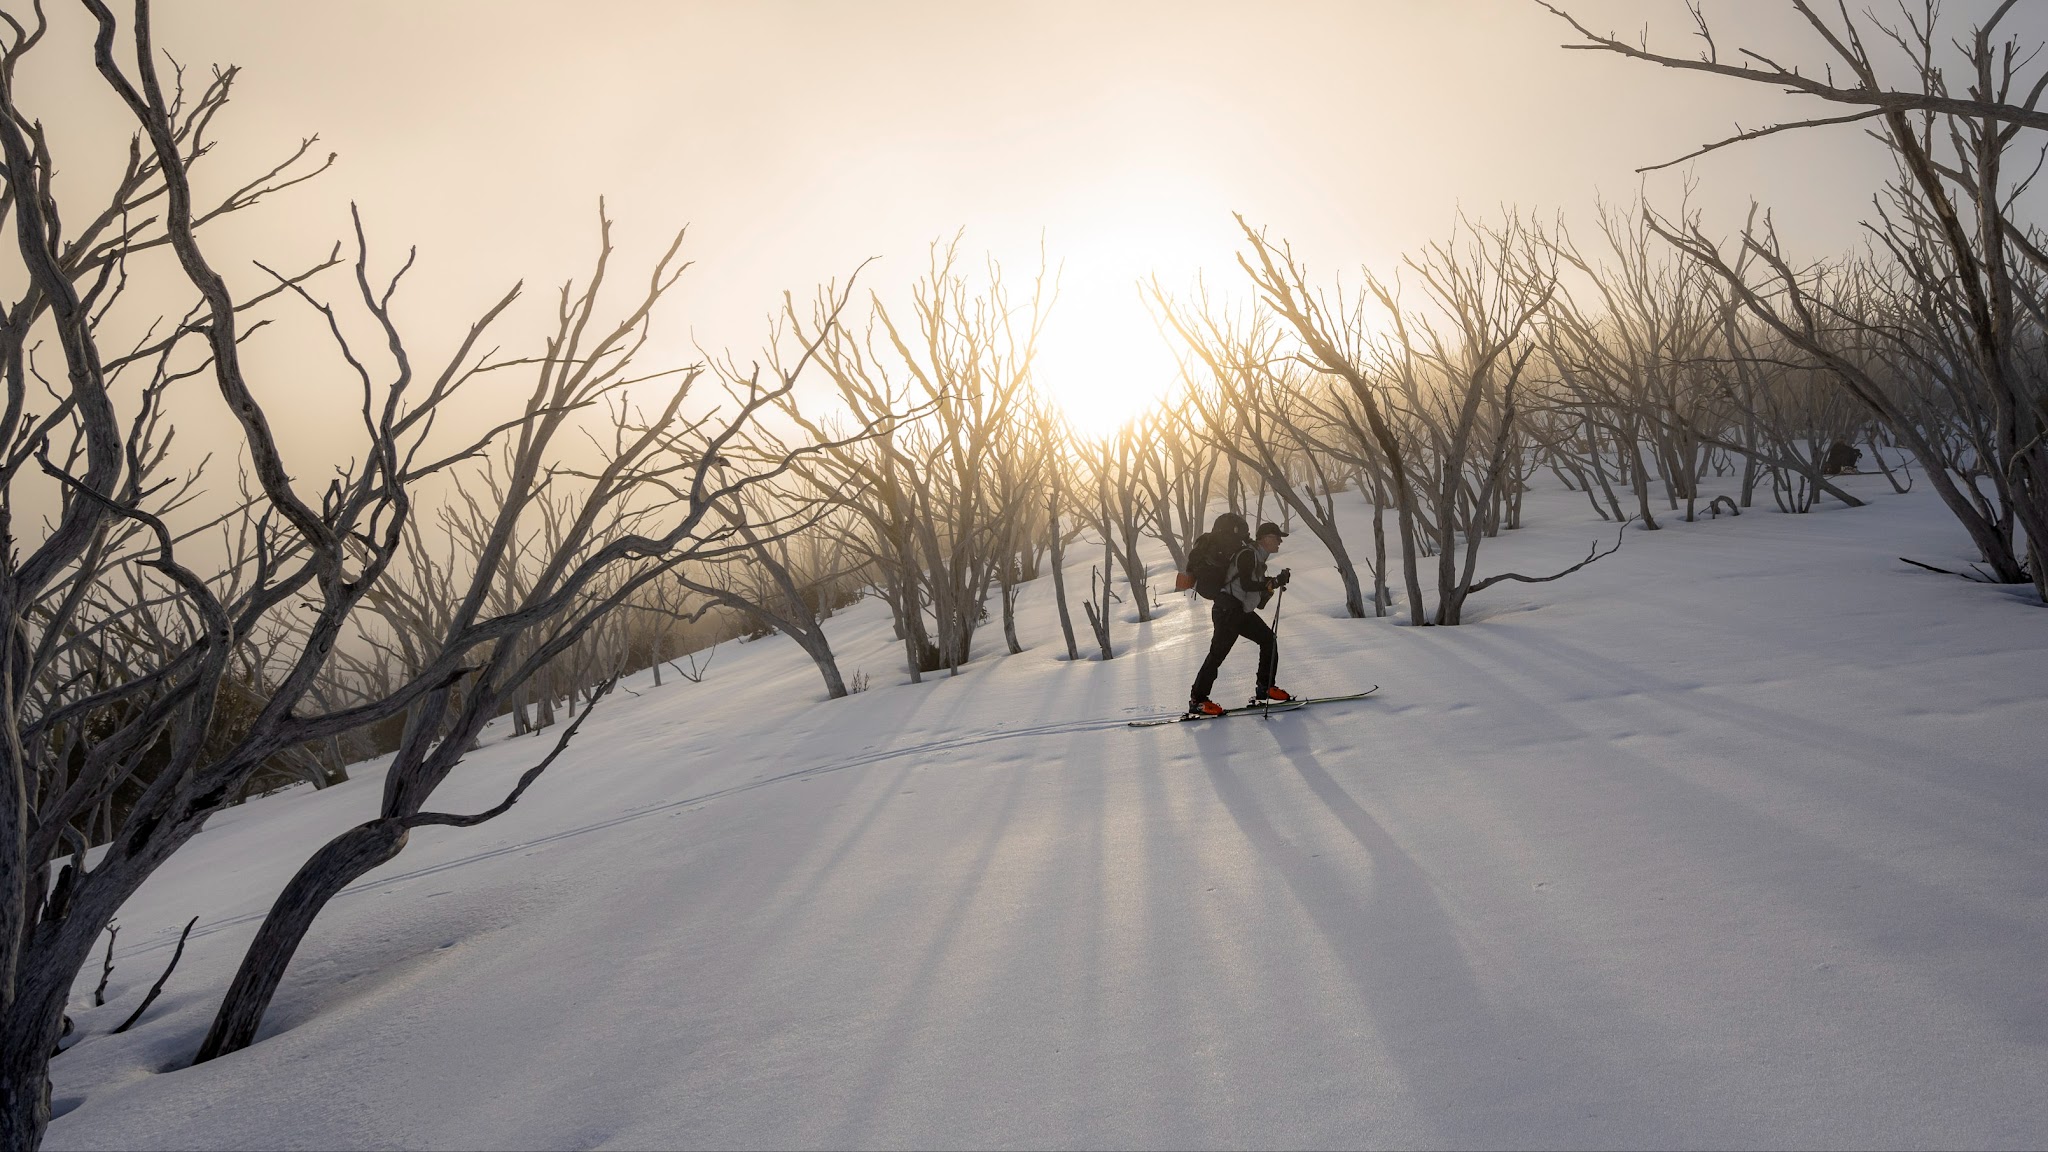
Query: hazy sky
(798, 139)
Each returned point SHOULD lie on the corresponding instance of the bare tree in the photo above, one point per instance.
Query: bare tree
(1123, 509)
(656, 496)
(1437, 392)
(667, 625)
(786, 577)
(941, 391)
(1335, 340)
(1101, 598)
(1180, 478)
(1022, 460)
(1960, 336)
(1247, 400)
(1052, 433)
(872, 481)
(1624, 367)
(103, 575)
(1458, 369)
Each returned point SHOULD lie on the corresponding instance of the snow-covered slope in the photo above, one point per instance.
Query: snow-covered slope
(1738, 837)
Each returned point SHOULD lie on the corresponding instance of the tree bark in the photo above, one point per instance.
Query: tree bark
(1008, 591)
(1058, 560)
(1381, 600)
(34, 1023)
(334, 867)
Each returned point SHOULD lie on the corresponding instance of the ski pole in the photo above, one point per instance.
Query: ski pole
(1279, 602)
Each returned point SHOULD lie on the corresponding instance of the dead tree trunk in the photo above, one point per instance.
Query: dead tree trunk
(341, 862)
(1056, 540)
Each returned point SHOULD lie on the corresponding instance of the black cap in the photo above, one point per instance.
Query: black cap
(1269, 529)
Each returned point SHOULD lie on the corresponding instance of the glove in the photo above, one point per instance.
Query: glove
(1281, 580)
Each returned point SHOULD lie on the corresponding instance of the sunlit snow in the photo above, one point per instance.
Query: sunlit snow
(1738, 837)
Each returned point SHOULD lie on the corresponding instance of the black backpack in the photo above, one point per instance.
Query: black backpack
(1209, 560)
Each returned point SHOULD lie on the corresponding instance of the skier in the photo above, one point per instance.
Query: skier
(1244, 589)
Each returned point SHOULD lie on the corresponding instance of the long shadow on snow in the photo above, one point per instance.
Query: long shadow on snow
(822, 873)
(1400, 949)
(861, 761)
(1123, 1037)
(790, 896)
(1068, 905)
(1088, 1014)
(2004, 790)
(1894, 912)
(2007, 800)
(1519, 1076)
(888, 1057)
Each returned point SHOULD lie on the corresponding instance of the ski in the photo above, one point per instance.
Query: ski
(1250, 709)
(1247, 710)
(1340, 699)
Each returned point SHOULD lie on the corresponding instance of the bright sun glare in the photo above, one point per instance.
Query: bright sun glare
(1103, 360)
(1102, 356)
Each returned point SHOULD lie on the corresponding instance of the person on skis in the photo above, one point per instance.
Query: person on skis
(1235, 612)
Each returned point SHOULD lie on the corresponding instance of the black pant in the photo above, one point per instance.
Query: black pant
(1232, 619)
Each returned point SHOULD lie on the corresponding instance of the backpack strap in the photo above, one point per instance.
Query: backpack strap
(1237, 574)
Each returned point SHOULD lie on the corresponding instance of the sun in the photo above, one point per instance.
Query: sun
(1102, 358)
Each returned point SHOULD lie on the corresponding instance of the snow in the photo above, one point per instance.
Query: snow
(1738, 837)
